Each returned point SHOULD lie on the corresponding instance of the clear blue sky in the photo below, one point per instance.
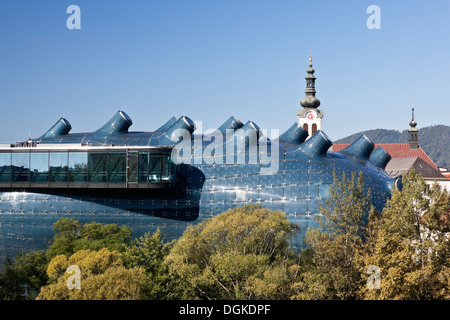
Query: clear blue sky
(209, 59)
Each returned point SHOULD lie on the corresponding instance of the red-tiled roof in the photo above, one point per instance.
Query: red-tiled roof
(397, 150)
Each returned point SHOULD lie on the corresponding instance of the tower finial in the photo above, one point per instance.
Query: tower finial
(310, 100)
(413, 133)
(310, 118)
(413, 122)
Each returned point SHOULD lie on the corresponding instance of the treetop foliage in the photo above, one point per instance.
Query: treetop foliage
(245, 253)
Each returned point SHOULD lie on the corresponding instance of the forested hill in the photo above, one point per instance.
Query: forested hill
(434, 140)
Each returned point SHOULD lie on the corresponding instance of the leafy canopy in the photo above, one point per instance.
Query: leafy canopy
(71, 236)
(103, 277)
(243, 253)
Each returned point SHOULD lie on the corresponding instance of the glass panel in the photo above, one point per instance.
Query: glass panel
(117, 167)
(39, 167)
(154, 167)
(133, 166)
(5, 167)
(58, 166)
(143, 166)
(21, 167)
(97, 164)
(77, 166)
(167, 166)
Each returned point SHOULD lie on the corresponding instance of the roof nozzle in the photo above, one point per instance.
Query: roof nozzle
(60, 128)
(180, 128)
(360, 148)
(249, 134)
(231, 124)
(119, 123)
(318, 144)
(380, 158)
(168, 124)
(295, 134)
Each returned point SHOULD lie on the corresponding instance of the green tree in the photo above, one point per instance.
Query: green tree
(333, 251)
(243, 253)
(148, 252)
(66, 230)
(103, 277)
(71, 236)
(22, 277)
(411, 246)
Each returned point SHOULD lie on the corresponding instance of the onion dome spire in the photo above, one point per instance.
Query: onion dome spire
(413, 133)
(413, 123)
(310, 100)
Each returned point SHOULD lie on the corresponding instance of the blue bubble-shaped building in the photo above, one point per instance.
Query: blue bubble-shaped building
(171, 177)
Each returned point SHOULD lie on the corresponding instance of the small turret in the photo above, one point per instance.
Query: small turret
(413, 133)
(310, 118)
(310, 100)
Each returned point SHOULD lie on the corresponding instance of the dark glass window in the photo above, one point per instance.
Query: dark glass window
(39, 166)
(21, 167)
(143, 166)
(154, 166)
(77, 166)
(94, 167)
(313, 128)
(167, 168)
(133, 159)
(117, 167)
(5, 167)
(97, 164)
(59, 162)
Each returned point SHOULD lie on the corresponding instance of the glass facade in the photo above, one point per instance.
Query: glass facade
(20, 167)
(38, 166)
(98, 167)
(91, 167)
(140, 172)
(144, 175)
(117, 164)
(78, 164)
(58, 166)
(5, 167)
(133, 166)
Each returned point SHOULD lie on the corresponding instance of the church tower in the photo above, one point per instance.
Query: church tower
(413, 133)
(309, 117)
